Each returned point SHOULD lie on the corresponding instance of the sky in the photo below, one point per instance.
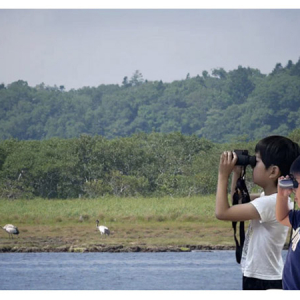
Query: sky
(90, 47)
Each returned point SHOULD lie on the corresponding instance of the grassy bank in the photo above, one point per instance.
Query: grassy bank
(143, 222)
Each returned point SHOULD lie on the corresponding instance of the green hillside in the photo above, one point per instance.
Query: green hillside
(218, 106)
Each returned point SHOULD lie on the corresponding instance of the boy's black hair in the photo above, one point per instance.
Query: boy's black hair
(279, 151)
(295, 168)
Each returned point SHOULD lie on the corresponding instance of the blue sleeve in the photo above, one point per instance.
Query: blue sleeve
(294, 216)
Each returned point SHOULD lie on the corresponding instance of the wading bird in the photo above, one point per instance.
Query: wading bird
(11, 229)
(103, 229)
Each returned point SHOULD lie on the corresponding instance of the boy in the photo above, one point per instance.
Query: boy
(290, 218)
(261, 258)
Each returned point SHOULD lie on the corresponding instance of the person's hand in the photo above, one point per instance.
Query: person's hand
(280, 190)
(237, 170)
(228, 160)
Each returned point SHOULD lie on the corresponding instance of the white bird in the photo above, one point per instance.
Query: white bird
(102, 229)
(11, 229)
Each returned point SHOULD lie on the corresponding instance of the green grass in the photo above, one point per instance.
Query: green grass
(132, 221)
(43, 211)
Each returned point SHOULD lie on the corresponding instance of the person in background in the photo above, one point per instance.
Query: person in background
(261, 260)
(291, 218)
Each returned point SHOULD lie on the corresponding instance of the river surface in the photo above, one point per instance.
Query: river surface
(199, 270)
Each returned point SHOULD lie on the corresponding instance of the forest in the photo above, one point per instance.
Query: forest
(143, 165)
(217, 106)
(141, 138)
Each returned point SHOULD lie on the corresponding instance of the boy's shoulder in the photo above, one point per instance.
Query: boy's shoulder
(294, 216)
(265, 206)
(263, 197)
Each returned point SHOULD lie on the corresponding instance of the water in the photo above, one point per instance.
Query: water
(216, 270)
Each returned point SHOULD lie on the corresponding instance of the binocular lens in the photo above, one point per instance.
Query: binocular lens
(288, 184)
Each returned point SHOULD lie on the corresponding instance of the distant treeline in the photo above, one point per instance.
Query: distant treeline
(218, 106)
(151, 165)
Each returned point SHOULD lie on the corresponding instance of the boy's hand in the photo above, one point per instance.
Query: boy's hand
(228, 160)
(283, 192)
(282, 206)
(237, 170)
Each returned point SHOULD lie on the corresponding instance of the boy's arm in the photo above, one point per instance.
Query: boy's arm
(282, 208)
(241, 212)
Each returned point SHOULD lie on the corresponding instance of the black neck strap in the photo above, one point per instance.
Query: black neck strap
(240, 196)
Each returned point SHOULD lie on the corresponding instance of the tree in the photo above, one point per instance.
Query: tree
(205, 74)
(125, 82)
(289, 65)
(295, 71)
(137, 78)
(278, 68)
(219, 73)
(240, 84)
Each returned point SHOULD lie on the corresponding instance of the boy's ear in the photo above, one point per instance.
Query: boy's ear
(275, 172)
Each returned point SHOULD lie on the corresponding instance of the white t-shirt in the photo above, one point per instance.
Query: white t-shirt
(265, 238)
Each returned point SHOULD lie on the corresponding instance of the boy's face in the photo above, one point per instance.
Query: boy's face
(260, 174)
(297, 191)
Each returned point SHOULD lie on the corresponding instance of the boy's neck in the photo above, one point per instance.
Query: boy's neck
(269, 190)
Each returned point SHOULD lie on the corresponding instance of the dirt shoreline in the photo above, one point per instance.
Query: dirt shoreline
(113, 249)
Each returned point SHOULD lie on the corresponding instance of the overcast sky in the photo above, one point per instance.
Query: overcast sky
(77, 48)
